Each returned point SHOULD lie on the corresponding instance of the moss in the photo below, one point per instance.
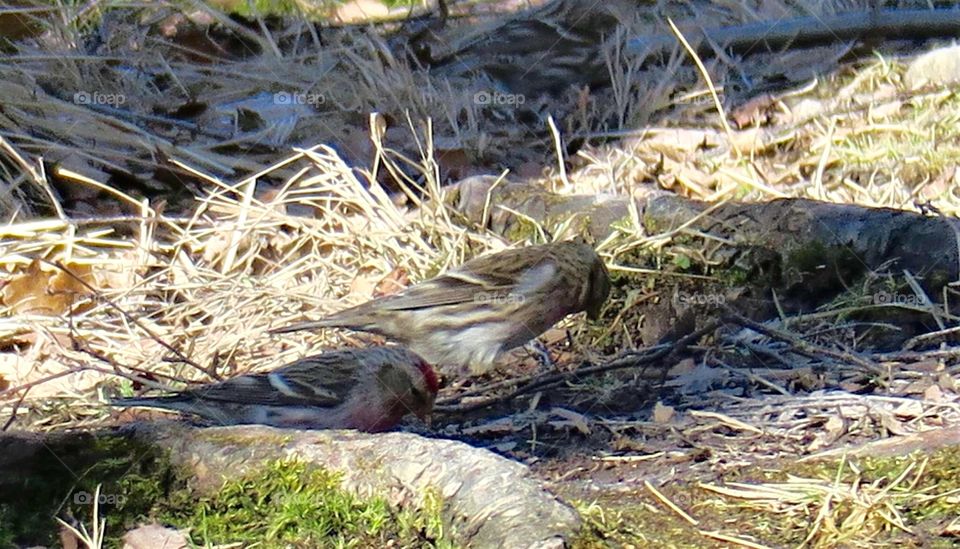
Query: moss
(241, 438)
(805, 264)
(281, 504)
(289, 503)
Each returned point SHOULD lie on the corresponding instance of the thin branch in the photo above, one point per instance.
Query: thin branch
(136, 321)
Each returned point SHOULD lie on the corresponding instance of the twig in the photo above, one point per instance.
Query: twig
(818, 30)
(629, 359)
(136, 321)
(713, 89)
(13, 413)
(804, 347)
(34, 383)
(117, 369)
(671, 505)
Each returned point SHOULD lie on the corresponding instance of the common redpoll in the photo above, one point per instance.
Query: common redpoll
(547, 49)
(367, 389)
(463, 319)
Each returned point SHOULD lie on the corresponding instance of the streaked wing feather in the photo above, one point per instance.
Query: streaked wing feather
(493, 275)
(319, 380)
(254, 389)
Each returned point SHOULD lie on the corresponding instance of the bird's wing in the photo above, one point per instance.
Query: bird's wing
(311, 381)
(514, 271)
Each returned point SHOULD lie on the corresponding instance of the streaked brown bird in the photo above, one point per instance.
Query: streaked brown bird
(547, 49)
(462, 320)
(366, 389)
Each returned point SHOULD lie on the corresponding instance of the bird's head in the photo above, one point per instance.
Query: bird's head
(598, 288)
(411, 383)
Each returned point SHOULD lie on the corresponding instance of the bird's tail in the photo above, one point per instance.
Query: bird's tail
(312, 325)
(362, 318)
(183, 404)
(165, 402)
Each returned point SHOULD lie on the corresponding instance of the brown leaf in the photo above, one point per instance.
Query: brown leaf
(662, 413)
(952, 529)
(39, 291)
(578, 421)
(68, 540)
(754, 111)
(894, 426)
(946, 382)
(395, 281)
(909, 410)
(933, 394)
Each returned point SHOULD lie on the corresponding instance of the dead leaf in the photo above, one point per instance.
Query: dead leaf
(395, 281)
(19, 370)
(909, 410)
(362, 286)
(754, 111)
(946, 382)
(833, 429)
(150, 536)
(933, 394)
(663, 413)
(682, 368)
(47, 292)
(578, 421)
(893, 425)
(952, 529)
(917, 387)
(68, 540)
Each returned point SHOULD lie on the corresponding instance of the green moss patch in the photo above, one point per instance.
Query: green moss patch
(284, 503)
(290, 503)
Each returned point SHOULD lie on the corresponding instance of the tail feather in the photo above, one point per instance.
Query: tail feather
(184, 404)
(352, 319)
(312, 325)
(173, 402)
(131, 401)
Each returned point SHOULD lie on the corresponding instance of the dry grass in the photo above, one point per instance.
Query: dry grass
(211, 281)
(188, 297)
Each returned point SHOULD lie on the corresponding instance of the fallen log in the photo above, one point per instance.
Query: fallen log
(487, 500)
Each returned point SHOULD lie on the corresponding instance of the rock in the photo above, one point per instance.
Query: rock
(487, 500)
(154, 536)
(939, 67)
